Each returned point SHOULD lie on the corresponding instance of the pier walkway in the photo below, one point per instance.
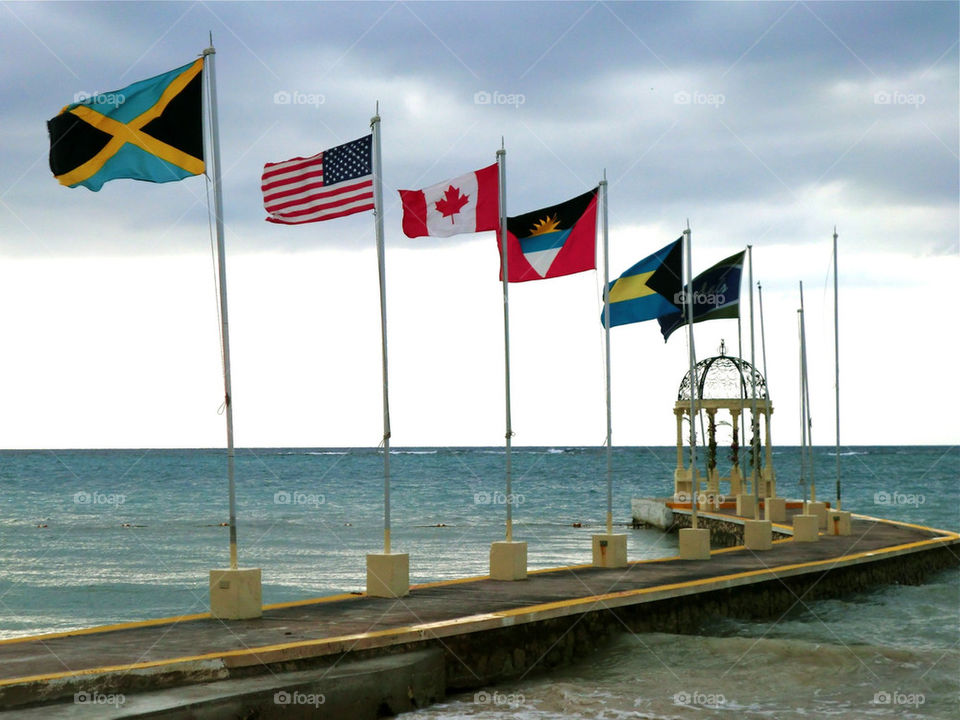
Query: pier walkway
(137, 657)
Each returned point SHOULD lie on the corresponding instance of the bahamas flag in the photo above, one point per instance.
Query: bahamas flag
(151, 130)
(716, 295)
(553, 241)
(636, 295)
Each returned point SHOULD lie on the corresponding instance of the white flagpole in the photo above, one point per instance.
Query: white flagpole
(754, 425)
(208, 56)
(606, 323)
(502, 171)
(743, 396)
(836, 355)
(381, 266)
(694, 485)
(763, 353)
(806, 399)
(803, 410)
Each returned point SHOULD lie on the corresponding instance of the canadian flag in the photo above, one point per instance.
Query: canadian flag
(465, 204)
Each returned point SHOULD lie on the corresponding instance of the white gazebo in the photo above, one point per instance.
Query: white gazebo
(724, 386)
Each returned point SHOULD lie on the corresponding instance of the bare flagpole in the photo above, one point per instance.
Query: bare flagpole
(502, 172)
(606, 324)
(208, 56)
(763, 352)
(694, 485)
(381, 266)
(754, 425)
(806, 398)
(836, 355)
(803, 410)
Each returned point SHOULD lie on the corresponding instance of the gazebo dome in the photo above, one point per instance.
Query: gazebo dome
(723, 378)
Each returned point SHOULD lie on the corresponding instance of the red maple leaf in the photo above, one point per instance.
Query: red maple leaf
(452, 203)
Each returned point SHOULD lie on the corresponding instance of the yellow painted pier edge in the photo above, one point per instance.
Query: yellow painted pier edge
(413, 633)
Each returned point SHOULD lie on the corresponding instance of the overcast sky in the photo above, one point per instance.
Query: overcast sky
(762, 123)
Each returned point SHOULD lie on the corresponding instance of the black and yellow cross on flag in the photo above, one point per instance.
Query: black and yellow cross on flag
(151, 130)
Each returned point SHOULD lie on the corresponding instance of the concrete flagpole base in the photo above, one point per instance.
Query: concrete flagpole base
(775, 509)
(610, 551)
(838, 522)
(508, 561)
(805, 528)
(694, 544)
(820, 510)
(757, 534)
(235, 594)
(746, 506)
(388, 575)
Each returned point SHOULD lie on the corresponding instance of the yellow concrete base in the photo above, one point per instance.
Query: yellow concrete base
(775, 509)
(508, 561)
(757, 534)
(746, 506)
(838, 522)
(388, 575)
(610, 551)
(694, 544)
(235, 594)
(805, 528)
(820, 510)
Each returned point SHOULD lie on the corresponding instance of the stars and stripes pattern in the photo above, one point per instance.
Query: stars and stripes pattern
(331, 184)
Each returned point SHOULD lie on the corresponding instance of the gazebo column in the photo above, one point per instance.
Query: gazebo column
(713, 481)
(768, 472)
(681, 483)
(736, 478)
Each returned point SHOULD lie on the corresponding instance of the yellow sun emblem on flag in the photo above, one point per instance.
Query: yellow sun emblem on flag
(549, 224)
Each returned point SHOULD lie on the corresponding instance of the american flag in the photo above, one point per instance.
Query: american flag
(331, 184)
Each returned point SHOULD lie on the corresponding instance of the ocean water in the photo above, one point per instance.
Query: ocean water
(102, 536)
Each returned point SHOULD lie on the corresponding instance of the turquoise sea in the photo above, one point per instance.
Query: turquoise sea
(91, 537)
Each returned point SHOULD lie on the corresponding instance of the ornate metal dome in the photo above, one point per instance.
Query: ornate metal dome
(723, 378)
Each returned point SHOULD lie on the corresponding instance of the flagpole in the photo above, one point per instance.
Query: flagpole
(754, 425)
(502, 172)
(836, 356)
(381, 267)
(743, 396)
(694, 485)
(763, 352)
(806, 399)
(803, 409)
(208, 56)
(606, 324)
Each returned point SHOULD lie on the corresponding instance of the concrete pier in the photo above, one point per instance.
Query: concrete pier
(483, 630)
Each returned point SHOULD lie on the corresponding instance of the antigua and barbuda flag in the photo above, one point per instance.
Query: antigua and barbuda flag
(466, 204)
(716, 295)
(553, 241)
(151, 130)
(632, 295)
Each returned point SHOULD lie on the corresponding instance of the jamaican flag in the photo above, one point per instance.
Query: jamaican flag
(553, 241)
(151, 130)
